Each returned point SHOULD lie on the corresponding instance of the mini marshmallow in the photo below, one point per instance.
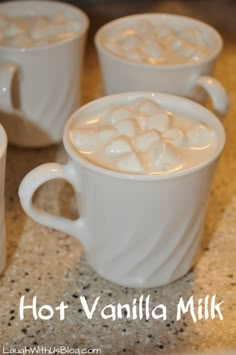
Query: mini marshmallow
(152, 50)
(106, 134)
(22, 41)
(147, 107)
(142, 121)
(114, 47)
(154, 152)
(4, 21)
(131, 43)
(199, 55)
(136, 55)
(186, 50)
(159, 121)
(199, 135)
(127, 127)
(118, 114)
(194, 36)
(130, 163)
(84, 139)
(163, 31)
(119, 146)
(175, 136)
(168, 160)
(59, 17)
(13, 30)
(143, 141)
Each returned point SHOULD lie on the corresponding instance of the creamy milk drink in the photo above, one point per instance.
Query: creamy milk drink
(156, 44)
(35, 31)
(142, 138)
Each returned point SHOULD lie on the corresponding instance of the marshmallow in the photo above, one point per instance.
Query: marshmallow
(135, 55)
(175, 136)
(152, 49)
(84, 139)
(193, 35)
(199, 135)
(186, 50)
(159, 121)
(118, 114)
(163, 31)
(13, 29)
(143, 141)
(4, 21)
(130, 43)
(168, 159)
(22, 41)
(127, 127)
(106, 134)
(130, 163)
(119, 146)
(154, 152)
(147, 107)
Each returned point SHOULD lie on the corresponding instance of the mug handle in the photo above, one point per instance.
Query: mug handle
(7, 72)
(36, 178)
(217, 94)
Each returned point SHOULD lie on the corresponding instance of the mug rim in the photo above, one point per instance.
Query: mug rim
(143, 177)
(214, 53)
(84, 28)
(3, 141)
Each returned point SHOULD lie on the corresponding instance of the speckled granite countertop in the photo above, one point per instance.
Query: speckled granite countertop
(50, 265)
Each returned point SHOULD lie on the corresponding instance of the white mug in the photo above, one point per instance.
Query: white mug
(40, 86)
(192, 80)
(3, 152)
(137, 230)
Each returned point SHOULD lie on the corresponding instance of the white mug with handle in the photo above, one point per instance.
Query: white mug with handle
(40, 86)
(191, 80)
(137, 230)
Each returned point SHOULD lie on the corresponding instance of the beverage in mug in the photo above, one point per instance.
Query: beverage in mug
(42, 47)
(34, 31)
(141, 165)
(143, 138)
(148, 42)
(161, 52)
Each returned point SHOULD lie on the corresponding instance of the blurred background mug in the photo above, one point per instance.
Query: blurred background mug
(137, 230)
(3, 152)
(189, 79)
(40, 85)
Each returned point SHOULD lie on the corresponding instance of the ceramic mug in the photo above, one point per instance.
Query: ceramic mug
(137, 230)
(40, 86)
(3, 152)
(192, 80)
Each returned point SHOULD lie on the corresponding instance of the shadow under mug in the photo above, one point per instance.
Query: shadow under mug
(137, 230)
(40, 86)
(191, 80)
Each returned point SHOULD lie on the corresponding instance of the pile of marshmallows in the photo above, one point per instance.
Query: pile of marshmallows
(140, 138)
(34, 31)
(148, 43)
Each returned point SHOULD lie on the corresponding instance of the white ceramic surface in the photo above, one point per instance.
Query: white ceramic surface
(137, 230)
(3, 151)
(192, 80)
(40, 87)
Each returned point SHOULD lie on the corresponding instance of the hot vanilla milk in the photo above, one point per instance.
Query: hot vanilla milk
(34, 31)
(148, 43)
(142, 138)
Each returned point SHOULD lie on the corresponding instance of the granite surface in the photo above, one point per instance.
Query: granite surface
(51, 265)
